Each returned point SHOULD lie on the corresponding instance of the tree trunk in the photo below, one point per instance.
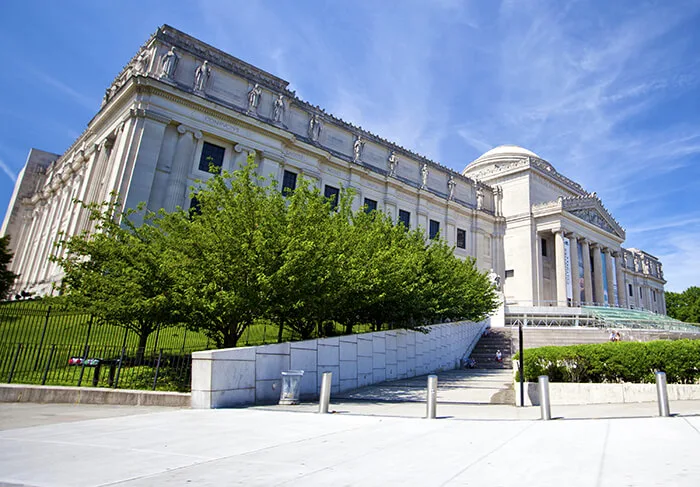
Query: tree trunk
(143, 339)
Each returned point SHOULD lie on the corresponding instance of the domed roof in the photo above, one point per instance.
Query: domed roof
(498, 154)
(508, 150)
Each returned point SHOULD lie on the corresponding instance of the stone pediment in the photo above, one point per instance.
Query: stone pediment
(591, 209)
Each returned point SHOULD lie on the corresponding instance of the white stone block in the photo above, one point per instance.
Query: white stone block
(348, 369)
(328, 355)
(303, 359)
(232, 374)
(379, 342)
(201, 374)
(348, 384)
(379, 361)
(392, 371)
(364, 346)
(391, 340)
(364, 378)
(267, 391)
(365, 365)
(378, 375)
(304, 345)
(274, 349)
(227, 399)
(269, 367)
(348, 349)
(401, 369)
(391, 357)
(332, 341)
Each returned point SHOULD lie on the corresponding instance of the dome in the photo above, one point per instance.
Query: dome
(508, 150)
(498, 154)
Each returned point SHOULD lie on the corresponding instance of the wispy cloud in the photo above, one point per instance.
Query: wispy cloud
(54, 83)
(9, 172)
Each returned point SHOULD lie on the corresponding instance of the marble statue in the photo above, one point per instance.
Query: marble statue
(393, 162)
(495, 279)
(479, 199)
(141, 65)
(278, 109)
(314, 128)
(201, 76)
(254, 98)
(424, 176)
(357, 149)
(169, 64)
(451, 184)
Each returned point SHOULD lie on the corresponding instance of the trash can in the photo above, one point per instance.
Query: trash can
(291, 386)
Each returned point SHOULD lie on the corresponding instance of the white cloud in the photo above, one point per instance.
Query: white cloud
(6, 169)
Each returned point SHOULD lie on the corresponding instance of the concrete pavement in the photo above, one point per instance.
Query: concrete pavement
(271, 446)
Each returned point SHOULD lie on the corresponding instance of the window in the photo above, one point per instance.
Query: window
(289, 182)
(653, 293)
(332, 194)
(461, 239)
(544, 248)
(405, 218)
(195, 208)
(434, 229)
(629, 286)
(370, 205)
(510, 273)
(212, 155)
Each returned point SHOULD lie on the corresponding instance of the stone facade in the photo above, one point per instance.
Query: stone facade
(179, 100)
(562, 247)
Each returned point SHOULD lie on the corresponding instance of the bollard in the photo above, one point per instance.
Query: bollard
(325, 399)
(662, 394)
(431, 403)
(543, 381)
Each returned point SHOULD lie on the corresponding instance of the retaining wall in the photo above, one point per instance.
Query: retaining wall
(564, 393)
(91, 395)
(251, 375)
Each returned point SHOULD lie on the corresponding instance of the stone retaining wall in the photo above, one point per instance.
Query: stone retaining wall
(564, 393)
(251, 375)
(91, 395)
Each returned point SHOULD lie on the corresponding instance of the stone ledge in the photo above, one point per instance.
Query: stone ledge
(90, 395)
(572, 394)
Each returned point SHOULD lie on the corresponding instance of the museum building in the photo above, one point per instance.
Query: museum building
(181, 104)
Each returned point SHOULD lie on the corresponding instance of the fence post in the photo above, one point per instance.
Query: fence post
(14, 363)
(41, 341)
(48, 365)
(155, 345)
(119, 368)
(155, 377)
(82, 365)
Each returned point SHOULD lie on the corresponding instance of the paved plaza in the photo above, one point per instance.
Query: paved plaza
(363, 443)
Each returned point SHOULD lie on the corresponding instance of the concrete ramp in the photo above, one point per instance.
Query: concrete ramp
(473, 386)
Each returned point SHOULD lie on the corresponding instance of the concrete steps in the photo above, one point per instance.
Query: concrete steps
(485, 351)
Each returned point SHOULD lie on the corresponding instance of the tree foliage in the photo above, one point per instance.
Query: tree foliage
(118, 272)
(7, 277)
(684, 306)
(247, 254)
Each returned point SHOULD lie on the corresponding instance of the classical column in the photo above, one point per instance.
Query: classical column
(619, 275)
(610, 277)
(575, 278)
(560, 261)
(598, 292)
(587, 278)
(177, 183)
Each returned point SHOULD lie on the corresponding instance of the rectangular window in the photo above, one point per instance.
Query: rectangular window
(405, 218)
(629, 286)
(510, 273)
(461, 239)
(653, 293)
(289, 182)
(434, 229)
(212, 156)
(370, 205)
(332, 194)
(544, 248)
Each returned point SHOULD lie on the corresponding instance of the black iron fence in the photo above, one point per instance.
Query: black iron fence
(42, 344)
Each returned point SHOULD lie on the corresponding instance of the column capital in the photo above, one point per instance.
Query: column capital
(595, 245)
(572, 235)
(183, 129)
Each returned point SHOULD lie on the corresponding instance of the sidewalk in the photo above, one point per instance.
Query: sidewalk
(389, 446)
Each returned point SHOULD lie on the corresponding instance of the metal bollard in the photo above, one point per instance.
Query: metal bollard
(431, 403)
(325, 399)
(543, 382)
(662, 394)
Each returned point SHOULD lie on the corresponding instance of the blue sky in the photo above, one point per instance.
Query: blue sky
(607, 91)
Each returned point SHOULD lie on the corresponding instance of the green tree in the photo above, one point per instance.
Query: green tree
(684, 306)
(7, 277)
(118, 273)
(221, 257)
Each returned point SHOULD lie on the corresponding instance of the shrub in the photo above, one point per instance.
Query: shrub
(616, 362)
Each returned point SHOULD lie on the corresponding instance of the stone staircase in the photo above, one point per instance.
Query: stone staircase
(485, 351)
